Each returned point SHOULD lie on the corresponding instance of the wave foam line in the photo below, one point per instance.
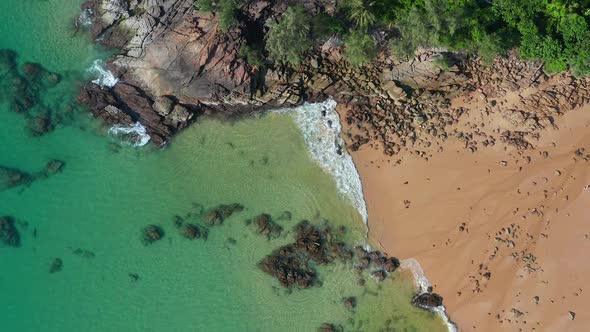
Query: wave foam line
(135, 135)
(320, 126)
(105, 77)
(423, 284)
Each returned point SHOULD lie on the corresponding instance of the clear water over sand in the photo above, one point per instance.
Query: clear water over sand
(107, 192)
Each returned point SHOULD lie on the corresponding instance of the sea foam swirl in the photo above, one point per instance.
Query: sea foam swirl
(423, 284)
(135, 135)
(104, 76)
(320, 125)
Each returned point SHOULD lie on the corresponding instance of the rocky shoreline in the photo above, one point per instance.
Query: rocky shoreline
(175, 64)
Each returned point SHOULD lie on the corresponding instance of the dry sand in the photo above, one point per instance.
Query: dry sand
(504, 239)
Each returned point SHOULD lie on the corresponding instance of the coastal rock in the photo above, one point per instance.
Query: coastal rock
(266, 226)
(427, 300)
(10, 178)
(350, 302)
(190, 231)
(326, 327)
(53, 167)
(391, 264)
(39, 125)
(56, 265)
(151, 234)
(217, 215)
(9, 235)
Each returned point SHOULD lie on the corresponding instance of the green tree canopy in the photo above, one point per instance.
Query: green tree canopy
(360, 48)
(288, 40)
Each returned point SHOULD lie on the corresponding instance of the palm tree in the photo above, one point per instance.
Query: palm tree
(360, 13)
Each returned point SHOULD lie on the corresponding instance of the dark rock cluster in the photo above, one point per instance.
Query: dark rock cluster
(56, 265)
(264, 225)
(11, 178)
(217, 215)
(9, 235)
(22, 89)
(427, 300)
(151, 234)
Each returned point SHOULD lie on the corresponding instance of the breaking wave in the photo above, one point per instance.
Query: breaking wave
(85, 18)
(423, 284)
(104, 76)
(135, 135)
(320, 125)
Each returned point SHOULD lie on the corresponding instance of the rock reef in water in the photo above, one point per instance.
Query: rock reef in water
(11, 178)
(151, 234)
(56, 265)
(264, 225)
(9, 235)
(217, 215)
(23, 89)
(427, 300)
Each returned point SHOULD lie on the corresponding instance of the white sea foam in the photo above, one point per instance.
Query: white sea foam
(135, 134)
(85, 18)
(320, 125)
(104, 76)
(423, 284)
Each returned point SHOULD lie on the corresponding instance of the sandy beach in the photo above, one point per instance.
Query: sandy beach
(501, 234)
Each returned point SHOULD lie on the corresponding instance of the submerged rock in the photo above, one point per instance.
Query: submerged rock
(10, 178)
(56, 266)
(190, 231)
(326, 327)
(350, 302)
(84, 253)
(391, 264)
(266, 226)
(427, 300)
(39, 125)
(9, 235)
(217, 215)
(151, 234)
(53, 167)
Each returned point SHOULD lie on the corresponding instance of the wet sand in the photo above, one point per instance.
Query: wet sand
(502, 238)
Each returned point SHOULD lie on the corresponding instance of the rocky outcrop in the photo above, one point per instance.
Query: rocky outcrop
(217, 215)
(264, 225)
(427, 300)
(22, 90)
(151, 234)
(9, 235)
(11, 178)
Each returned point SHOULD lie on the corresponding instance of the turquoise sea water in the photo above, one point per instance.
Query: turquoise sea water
(91, 214)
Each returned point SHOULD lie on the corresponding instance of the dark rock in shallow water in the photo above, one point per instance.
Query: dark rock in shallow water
(39, 125)
(427, 300)
(190, 231)
(290, 264)
(325, 327)
(285, 216)
(266, 226)
(391, 264)
(350, 302)
(134, 277)
(10, 178)
(37, 73)
(53, 167)
(56, 266)
(217, 215)
(84, 253)
(9, 235)
(151, 234)
(379, 275)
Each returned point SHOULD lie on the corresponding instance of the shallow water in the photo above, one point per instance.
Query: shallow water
(108, 191)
